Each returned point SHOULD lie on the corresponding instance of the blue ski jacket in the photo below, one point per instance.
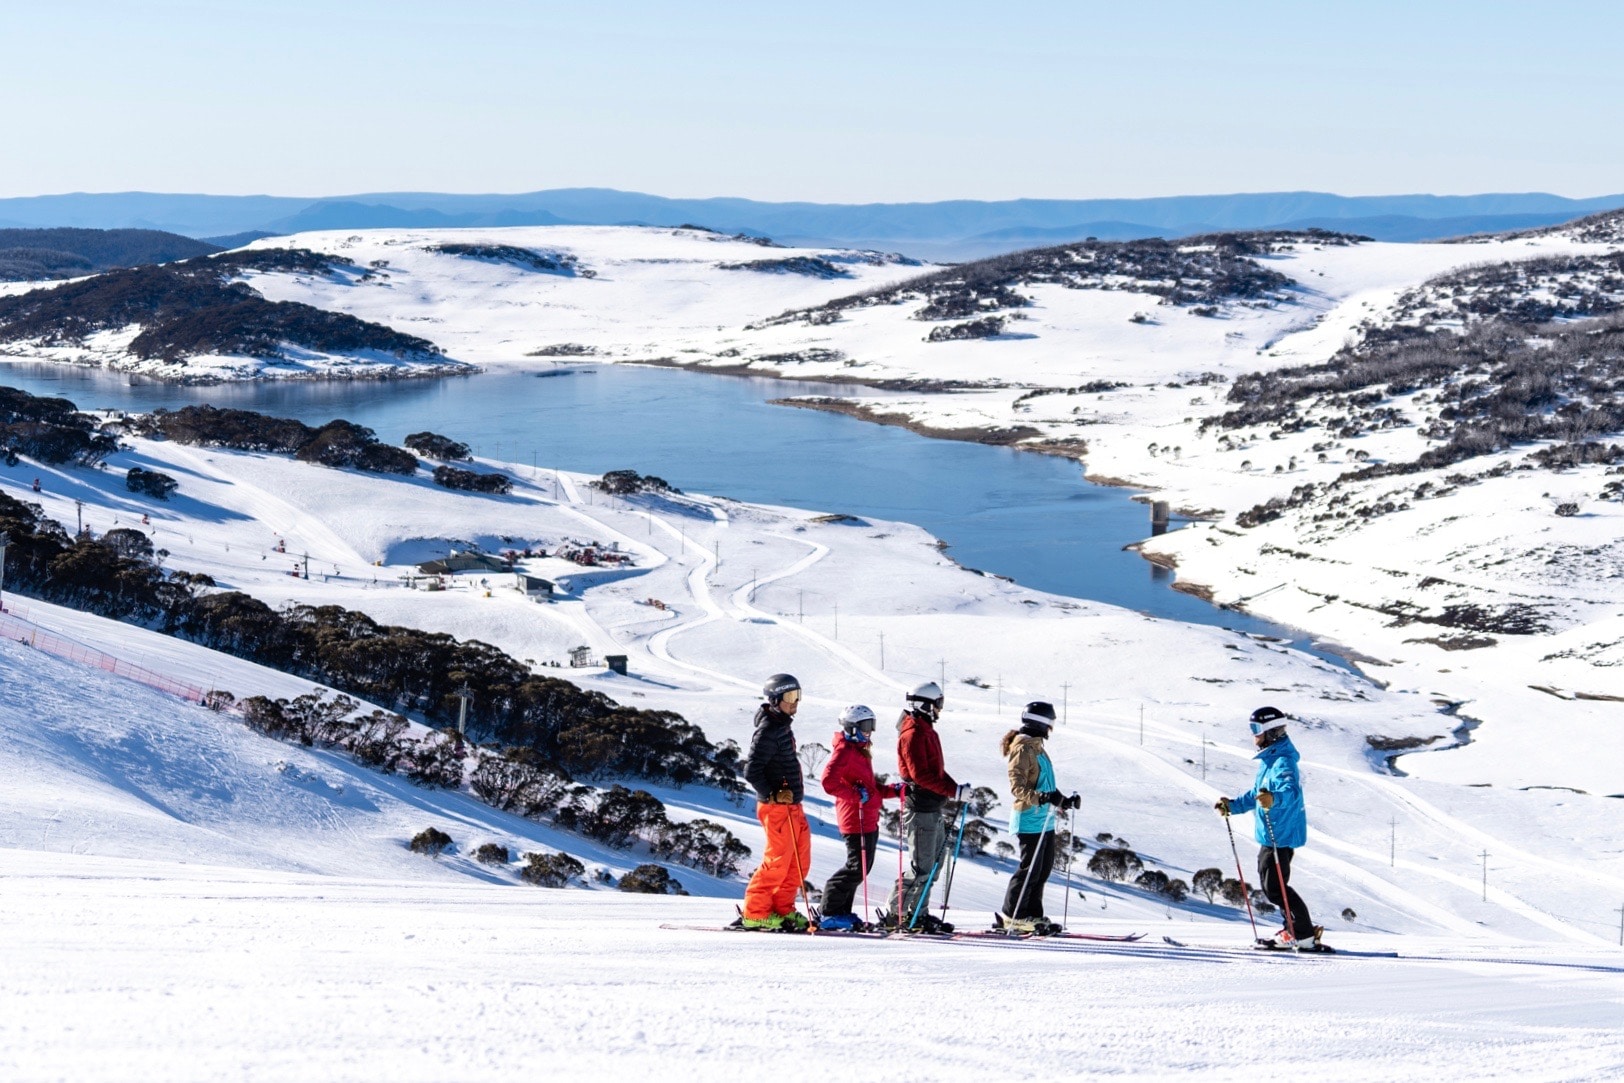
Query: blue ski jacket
(1277, 773)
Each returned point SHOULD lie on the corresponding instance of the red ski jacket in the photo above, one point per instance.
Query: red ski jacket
(919, 759)
(846, 777)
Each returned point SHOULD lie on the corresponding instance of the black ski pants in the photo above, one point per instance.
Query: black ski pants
(841, 890)
(1024, 899)
(1301, 924)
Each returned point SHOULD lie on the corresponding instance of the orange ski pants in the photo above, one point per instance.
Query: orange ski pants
(787, 860)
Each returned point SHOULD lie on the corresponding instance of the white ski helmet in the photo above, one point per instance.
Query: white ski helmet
(928, 695)
(858, 722)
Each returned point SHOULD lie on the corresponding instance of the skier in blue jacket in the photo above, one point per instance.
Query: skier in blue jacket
(1282, 825)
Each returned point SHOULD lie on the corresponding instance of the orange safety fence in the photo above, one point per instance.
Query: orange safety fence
(16, 626)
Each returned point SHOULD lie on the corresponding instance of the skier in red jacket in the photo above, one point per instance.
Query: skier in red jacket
(924, 830)
(848, 777)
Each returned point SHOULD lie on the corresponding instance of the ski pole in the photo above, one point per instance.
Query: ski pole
(1048, 821)
(924, 895)
(947, 889)
(1279, 874)
(800, 875)
(1071, 833)
(863, 856)
(1246, 894)
(896, 917)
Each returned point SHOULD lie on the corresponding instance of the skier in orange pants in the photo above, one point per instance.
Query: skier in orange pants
(774, 771)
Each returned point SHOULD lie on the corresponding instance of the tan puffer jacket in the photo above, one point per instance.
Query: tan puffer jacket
(1021, 750)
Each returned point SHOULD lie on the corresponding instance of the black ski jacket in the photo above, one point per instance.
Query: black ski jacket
(773, 764)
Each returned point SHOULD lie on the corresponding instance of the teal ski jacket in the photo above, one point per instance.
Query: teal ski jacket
(1277, 773)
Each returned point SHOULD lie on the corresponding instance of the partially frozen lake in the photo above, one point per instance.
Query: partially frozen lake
(1029, 517)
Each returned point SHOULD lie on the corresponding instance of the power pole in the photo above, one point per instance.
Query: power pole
(943, 682)
(79, 509)
(1621, 926)
(882, 650)
(800, 607)
(1485, 856)
(307, 565)
(463, 694)
(1392, 842)
(1204, 744)
(1065, 687)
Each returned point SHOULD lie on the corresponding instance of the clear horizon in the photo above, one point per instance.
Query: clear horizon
(913, 103)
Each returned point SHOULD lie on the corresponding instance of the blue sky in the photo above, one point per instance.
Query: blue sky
(829, 102)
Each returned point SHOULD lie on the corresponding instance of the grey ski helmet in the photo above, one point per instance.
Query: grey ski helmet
(778, 686)
(927, 695)
(1037, 718)
(1265, 719)
(858, 722)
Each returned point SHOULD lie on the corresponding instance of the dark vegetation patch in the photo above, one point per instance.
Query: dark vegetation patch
(550, 870)
(811, 266)
(431, 842)
(529, 259)
(491, 853)
(49, 429)
(564, 349)
(153, 483)
(1207, 270)
(338, 443)
(196, 307)
(37, 255)
(986, 327)
(469, 481)
(432, 445)
(626, 482)
(651, 880)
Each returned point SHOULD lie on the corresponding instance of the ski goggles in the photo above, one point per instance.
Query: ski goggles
(790, 698)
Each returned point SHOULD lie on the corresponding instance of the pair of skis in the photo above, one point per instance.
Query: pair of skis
(882, 934)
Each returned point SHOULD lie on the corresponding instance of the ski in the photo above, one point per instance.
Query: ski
(998, 934)
(848, 934)
(1271, 946)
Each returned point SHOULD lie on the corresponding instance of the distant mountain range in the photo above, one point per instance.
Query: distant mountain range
(955, 229)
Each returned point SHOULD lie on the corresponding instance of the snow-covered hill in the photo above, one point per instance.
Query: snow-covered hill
(218, 902)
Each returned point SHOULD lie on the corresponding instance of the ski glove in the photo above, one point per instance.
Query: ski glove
(862, 795)
(963, 793)
(784, 797)
(1074, 801)
(900, 790)
(1052, 797)
(1222, 805)
(1265, 800)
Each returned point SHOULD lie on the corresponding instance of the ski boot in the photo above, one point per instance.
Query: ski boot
(793, 922)
(841, 923)
(772, 923)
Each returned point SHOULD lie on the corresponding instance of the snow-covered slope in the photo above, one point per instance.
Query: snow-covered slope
(218, 903)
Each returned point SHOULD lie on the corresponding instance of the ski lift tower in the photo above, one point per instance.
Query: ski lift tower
(463, 694)
(5, 540)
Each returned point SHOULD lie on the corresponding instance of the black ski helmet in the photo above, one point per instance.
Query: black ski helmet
(1037, 718)
(778, 686)
(1265, 719)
